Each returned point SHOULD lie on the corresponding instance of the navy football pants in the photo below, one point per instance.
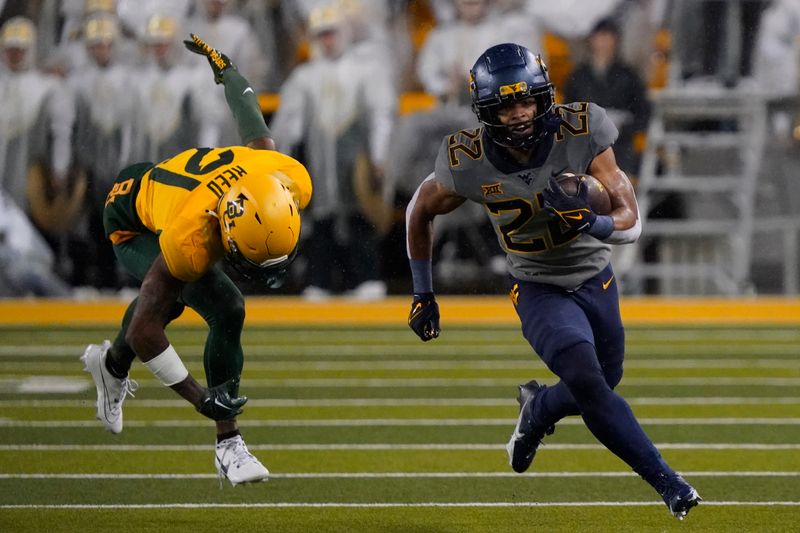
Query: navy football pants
(579, 336)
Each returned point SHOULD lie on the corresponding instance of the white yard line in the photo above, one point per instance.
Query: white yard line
(408, 422)
(417, 402)
(11, 382)
(342, 505)
(323, 349)
(455, 364)
(397, 475)
(378, 447)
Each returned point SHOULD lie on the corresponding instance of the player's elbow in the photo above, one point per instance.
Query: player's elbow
(626, 236)
(262, 143)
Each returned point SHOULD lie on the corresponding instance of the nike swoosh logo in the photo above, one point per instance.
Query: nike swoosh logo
(415, 312)
(216, 401)
(574, 217)
(608, 283)
(249, 89)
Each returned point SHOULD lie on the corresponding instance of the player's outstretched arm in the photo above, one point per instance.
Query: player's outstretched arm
(146, 336)
(430, 199)
(240, 96)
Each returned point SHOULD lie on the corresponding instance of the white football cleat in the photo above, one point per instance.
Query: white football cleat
(235, 463)
(111, 391)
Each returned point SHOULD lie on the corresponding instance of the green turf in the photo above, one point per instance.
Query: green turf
(347, 417)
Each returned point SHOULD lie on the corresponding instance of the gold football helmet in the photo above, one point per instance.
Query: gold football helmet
(260, 226)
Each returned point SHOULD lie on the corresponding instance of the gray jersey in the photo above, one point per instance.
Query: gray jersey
(539, 248)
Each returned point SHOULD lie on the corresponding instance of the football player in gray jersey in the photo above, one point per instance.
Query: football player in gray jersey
(558, 253)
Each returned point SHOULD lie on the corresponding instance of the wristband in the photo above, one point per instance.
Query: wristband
(421, 275)
(602, 227)
(167, 367)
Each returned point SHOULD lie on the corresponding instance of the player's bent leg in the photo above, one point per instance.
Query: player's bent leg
(217, 299)
(530, 429)
(111, 390)
(610, 419)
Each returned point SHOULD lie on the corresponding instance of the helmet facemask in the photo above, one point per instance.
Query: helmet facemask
(502, 134)
(507, 73)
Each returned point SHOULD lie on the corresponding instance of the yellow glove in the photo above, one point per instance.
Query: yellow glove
(219, 62)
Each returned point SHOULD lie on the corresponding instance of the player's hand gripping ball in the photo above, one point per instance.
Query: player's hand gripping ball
(576, 199)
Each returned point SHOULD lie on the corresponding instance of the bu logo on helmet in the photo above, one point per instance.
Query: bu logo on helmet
(235, 207)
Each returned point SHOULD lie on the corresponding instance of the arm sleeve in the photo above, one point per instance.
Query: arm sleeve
(243, 103)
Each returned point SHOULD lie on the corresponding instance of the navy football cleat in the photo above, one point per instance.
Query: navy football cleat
(528, 433)
(678, 495)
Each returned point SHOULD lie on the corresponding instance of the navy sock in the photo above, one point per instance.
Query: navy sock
(607, 415)
(556, 403)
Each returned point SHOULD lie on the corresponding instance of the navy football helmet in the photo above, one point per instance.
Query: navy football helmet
(508, 72)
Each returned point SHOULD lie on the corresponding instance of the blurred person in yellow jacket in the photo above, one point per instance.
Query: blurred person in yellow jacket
(171, 223)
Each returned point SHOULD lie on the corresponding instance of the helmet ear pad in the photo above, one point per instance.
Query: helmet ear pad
(259, 221)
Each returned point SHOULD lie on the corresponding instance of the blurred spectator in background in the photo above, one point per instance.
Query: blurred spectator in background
(341, 114)
(714, 39)
(571, 19)
(168, 95)
(35, 108)
(233, 34)
(777, 53)
(104, 136)
(71, 52)
(26, 260)
(776, 67)
(609, 82)
(450, 50)
(135, 15)
(36, 121)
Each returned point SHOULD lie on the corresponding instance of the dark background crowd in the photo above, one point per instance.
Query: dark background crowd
(361, 91)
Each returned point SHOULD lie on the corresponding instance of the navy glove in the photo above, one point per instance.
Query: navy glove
(217, 403)
(574, 211)
(219, 62)
(424, 316)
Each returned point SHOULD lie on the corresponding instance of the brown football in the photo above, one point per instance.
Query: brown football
(598, 195)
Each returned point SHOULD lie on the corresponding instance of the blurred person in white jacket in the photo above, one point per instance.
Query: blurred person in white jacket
(106, 113)
(36, 121)
(342, 114)
(451, 48)
(26, 261)
(170, 93)
(232, 33)
(777, 54)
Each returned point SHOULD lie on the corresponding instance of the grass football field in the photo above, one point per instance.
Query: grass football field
(365, 428)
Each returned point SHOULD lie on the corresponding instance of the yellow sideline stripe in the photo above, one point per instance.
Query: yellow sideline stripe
(465, 310)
